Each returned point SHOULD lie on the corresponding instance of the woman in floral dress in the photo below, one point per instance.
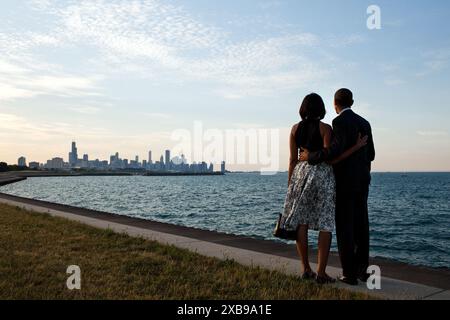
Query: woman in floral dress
(310, 201)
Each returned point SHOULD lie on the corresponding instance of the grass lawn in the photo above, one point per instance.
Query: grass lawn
(36, 249)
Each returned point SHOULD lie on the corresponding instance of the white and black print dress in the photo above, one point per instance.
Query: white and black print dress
(311, 196)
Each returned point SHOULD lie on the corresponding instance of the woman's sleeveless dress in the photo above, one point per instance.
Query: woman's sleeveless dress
(311, 197)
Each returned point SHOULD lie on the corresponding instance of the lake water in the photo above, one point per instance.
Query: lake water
(409, 213)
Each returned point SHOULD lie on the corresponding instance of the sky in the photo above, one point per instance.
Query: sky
(122, 76)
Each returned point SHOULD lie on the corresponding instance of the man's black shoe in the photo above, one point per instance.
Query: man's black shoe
(349, 281)
(364, 277)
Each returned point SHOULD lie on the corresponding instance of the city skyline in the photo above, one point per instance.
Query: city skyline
(122, 75)
(166, 163)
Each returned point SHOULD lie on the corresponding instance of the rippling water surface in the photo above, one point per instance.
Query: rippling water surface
(409, 213)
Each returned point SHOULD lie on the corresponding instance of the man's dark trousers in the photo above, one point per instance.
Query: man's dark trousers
(352, 230)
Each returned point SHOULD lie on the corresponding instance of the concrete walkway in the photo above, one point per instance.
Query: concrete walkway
(7, 179)
(399, 281)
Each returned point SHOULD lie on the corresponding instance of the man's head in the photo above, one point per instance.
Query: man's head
(343, 99)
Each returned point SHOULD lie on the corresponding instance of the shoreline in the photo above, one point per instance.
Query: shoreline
(5, 180)
(334, 260)
(47, 174)
(422, 276)
(116, 264)
(429, 276)
(182, 174)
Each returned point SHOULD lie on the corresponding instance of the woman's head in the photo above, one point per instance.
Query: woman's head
(312, 107)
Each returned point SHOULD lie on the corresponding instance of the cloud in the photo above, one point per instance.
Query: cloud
(396, 23)
(28, 79)
(336, 41)
(244, 125)
(266, 5)
(40, 4)
(437, 64)
(260, 67)
(155, 115)
(25, 136)
(14, 126)
(88, 110)
(166, 44)
(435, 61)
(9, 68)
(393, 82)
(11, 92)
(132, 28)
(433, 133)
(156, 38)
(388, 67)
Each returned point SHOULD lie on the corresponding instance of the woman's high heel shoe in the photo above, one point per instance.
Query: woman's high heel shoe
(309, 275)
(326, 279)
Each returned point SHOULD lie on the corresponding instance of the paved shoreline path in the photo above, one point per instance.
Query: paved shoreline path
(6, 179)
(399, 280)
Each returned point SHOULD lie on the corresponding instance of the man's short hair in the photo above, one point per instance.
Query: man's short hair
(344, 98)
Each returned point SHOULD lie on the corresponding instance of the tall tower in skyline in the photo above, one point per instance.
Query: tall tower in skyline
(150, 157)
(73, 155)
(22, 162)
(167, 158)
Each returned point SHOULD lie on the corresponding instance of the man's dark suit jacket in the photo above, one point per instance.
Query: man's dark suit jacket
(353, 172)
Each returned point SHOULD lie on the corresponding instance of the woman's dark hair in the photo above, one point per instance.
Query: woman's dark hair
(308, 132)
(313, 107)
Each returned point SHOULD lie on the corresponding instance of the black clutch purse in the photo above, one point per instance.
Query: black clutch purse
(282, 233)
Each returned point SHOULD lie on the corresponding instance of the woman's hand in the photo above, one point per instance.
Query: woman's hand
(304, 155)
(361, 142)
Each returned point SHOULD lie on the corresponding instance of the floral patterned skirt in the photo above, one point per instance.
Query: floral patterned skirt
(311, 198)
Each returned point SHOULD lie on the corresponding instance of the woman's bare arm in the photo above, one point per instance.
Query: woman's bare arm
(293, 158)
(327, 135)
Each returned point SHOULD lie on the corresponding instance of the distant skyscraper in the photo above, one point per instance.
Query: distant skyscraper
(165, 163)
(34, 165)
(55, 163)
(167, 158)
(22, 162)
(73, 155)
(222, 167)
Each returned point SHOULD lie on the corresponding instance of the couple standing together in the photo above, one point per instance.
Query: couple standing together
(329, 177)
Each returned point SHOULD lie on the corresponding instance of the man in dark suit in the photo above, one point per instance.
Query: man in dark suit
(352, 187)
